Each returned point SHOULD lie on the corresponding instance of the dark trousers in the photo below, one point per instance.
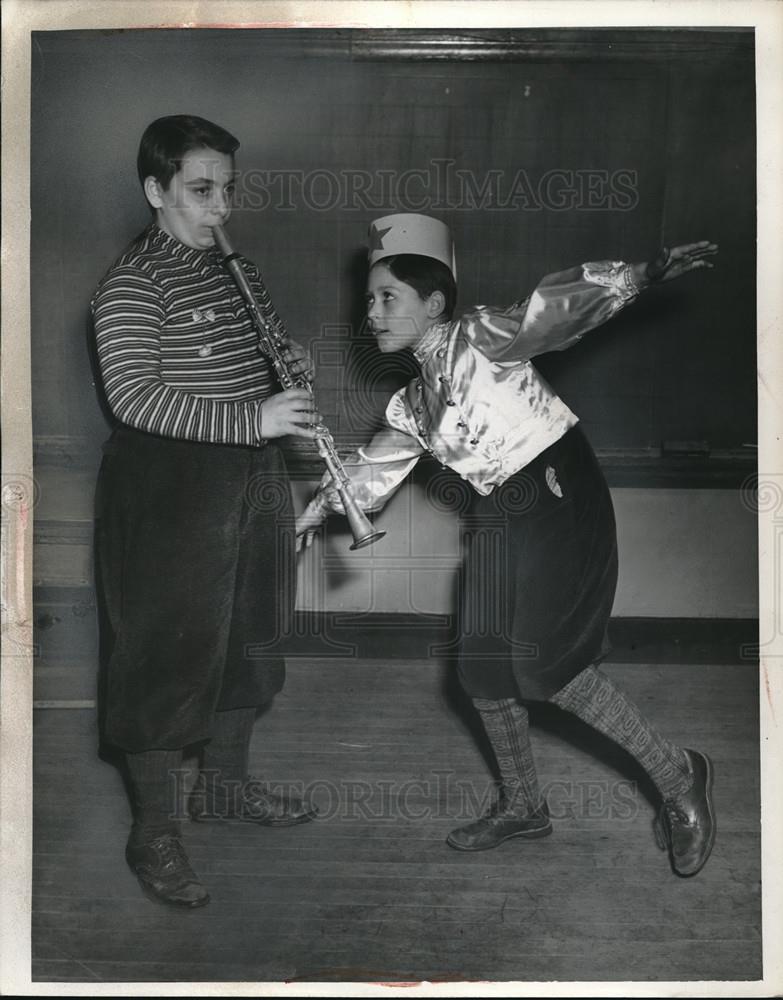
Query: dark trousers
(195, 547)
(539, 576)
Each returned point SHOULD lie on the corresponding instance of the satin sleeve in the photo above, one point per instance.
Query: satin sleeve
(379, 468)
(564, 307)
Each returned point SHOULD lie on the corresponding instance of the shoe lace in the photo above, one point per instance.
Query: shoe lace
(676, 813)
(172, 853)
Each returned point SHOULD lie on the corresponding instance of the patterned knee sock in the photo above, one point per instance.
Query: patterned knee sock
(593, 698)
(225, 756)
(154, 789)
(506, 724)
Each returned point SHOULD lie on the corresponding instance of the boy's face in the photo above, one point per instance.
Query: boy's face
(198, 197)
(398, 316)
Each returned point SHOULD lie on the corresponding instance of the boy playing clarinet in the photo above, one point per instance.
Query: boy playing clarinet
(195, 528)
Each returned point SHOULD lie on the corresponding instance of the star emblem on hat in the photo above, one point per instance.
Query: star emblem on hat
(376, 237)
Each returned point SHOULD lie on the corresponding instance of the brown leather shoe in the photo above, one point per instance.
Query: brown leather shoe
(163, 870)
(686, 825)
(252, 803)
(501, 823)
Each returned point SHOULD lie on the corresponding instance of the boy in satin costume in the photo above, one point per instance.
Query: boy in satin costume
(480, 408)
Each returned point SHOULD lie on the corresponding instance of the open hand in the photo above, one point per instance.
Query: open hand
(676, 261)
(308, 523)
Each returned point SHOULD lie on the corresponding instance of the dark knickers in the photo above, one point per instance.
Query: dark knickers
(196, 565)
(539, 576)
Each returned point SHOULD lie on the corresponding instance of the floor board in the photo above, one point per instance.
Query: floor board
(370, 892)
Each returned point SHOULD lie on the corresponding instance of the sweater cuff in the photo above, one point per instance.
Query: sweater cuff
(259, 436)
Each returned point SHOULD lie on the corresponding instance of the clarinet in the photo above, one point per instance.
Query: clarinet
(271, 333)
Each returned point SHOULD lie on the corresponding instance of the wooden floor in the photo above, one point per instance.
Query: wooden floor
(370, 892)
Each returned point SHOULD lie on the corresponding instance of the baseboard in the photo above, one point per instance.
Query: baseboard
(684, 640)
(634, 640)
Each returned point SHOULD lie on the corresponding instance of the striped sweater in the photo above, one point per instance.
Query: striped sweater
(177, 350)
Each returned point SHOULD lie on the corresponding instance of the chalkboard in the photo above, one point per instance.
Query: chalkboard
(541, 149)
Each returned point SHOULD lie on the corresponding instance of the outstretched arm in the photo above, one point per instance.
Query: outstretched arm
(568, 304)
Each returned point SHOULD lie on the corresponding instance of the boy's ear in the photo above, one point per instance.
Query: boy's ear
(152, 191)
(436, 303)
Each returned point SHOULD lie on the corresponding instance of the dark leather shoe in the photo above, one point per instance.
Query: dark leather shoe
(163, 870)
(686, 825)
(252, 803)
(501, 823)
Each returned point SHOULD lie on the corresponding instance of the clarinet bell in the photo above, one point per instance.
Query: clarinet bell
(360, 543)
(361, 527)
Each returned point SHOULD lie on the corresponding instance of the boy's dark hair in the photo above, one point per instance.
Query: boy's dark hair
(167, 140)
(426, 275)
